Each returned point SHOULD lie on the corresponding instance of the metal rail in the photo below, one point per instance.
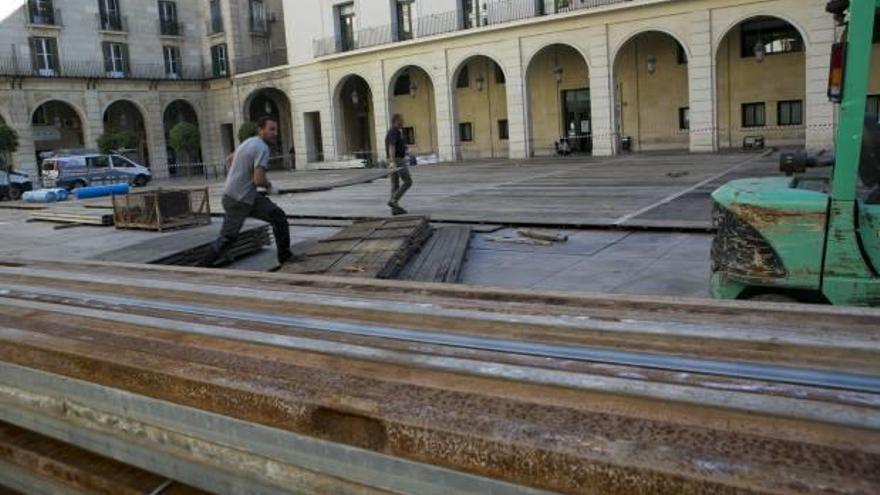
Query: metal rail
(742, 370)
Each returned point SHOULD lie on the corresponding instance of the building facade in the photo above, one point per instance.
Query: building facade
(472, 78)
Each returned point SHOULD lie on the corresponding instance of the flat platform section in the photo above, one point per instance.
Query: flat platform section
(441, 258)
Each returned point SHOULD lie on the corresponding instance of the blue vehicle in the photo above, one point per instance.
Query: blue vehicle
(72, 171)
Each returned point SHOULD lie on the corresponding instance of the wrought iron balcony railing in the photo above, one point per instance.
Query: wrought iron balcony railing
(98, 69)
(171, 28)
(112, 22)
(273, 58)
(41, 15)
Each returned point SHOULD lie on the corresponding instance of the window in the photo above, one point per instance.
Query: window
(41, 12)
(473, 13)
(409, 135)
(404, 19)
(682, 55)
(775, 35)
(465, 132)
(499, 75)
(503, 130)
(219, 61)
(44, 53)
(790, 113)
(111, 18)
(119, 162)
(684, 118)
(402, 85)
(753, 115)
(874, 107)
(258, 17)
(464, 78)
(100, 161)
(115, 59)
(172, 61)
(216, 17)
(346, 16)
(168, 25)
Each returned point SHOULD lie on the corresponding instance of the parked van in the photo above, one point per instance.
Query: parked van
(13, 184)
(72, 171)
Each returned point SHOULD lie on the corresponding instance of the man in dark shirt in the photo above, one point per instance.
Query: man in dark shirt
(395, 146)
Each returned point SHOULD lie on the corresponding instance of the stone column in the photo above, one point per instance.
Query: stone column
(510, 54)
(701, 83)
(601, 93)
(443, 102)
(819, 112)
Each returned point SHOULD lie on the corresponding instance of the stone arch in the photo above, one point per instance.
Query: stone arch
(739, 89)
(176, 111)
(736, 21)
(480, 108)
(120, 122)
(60, 125)
(421, 126)
(530, 56)
(355, 111)
(649, 29)
(274, 102)
(650, 90)
(557, 93)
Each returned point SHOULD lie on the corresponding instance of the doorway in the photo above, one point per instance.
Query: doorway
(578, 124)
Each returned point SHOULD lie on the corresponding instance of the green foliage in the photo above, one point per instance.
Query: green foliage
(8, 139)
(184, 138)
(247, 131)
(112, 141)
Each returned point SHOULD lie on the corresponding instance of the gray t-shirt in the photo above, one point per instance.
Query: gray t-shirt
(254, 152)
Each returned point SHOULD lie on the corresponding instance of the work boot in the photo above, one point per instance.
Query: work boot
(396, 209)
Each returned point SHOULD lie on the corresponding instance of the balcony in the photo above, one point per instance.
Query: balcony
(490, 14)
(170, 28)
(96, 69)
(273, 58)
(215, 25)
(42, 16)
(112, 22)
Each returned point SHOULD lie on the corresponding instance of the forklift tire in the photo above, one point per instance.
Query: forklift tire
(774, 298)
(14, 194)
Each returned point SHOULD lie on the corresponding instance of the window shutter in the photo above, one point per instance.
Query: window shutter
(102, 8)
(34, 64)
(126, 66)
(53, 50)
(108, 57)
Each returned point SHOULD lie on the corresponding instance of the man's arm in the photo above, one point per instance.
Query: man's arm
(260, 166)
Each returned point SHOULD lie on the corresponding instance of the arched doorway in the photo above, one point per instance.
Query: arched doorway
(558, 84)
(651, 90)
(125, 116)
(356, 125)
(761, 84)
(481, 125)
(179, 111)
(272, 102)
(56, 126)
(411, 94)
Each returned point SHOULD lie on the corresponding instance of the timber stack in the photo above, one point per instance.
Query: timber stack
(276, 383)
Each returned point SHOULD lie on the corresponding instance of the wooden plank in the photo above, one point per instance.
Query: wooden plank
(441, 259)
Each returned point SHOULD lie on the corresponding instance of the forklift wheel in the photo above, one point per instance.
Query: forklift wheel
(14, 193)
(775, 298)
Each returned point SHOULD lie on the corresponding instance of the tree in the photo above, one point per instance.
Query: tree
(246, 131)
(184, 139)
(8, 144)
(113, 141)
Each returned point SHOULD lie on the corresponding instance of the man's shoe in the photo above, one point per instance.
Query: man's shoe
(397, 210)
(290, 257)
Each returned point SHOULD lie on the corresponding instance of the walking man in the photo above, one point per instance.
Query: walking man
(395, 144)
(241, 199)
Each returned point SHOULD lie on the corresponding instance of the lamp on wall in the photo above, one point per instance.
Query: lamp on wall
(558, 72)
(413, 89)
(355, 98)
(760, 51)
(652, 64)
(268, 108)
(481, 81)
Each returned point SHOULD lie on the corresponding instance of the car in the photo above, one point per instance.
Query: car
(13, 185)
(72, 171)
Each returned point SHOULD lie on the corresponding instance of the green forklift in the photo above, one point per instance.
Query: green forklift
(812, 237)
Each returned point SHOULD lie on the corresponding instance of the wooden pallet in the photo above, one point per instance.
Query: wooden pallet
(371, 249)
(442, 257)
(79, 216)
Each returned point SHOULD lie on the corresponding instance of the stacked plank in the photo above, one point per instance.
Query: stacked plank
(69, 215)
(190, 247)
(442, 257)
(272, 383)
(35, 463)
(369, 249)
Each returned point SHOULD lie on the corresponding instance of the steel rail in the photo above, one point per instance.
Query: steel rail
(742, 370)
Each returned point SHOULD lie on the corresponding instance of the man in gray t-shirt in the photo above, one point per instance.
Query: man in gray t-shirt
(241, 199)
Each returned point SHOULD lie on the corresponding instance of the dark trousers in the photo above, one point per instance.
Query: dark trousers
(398, 189)
(236, 214)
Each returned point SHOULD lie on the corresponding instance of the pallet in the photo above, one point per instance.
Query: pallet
(370, 249)
(442, 257)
